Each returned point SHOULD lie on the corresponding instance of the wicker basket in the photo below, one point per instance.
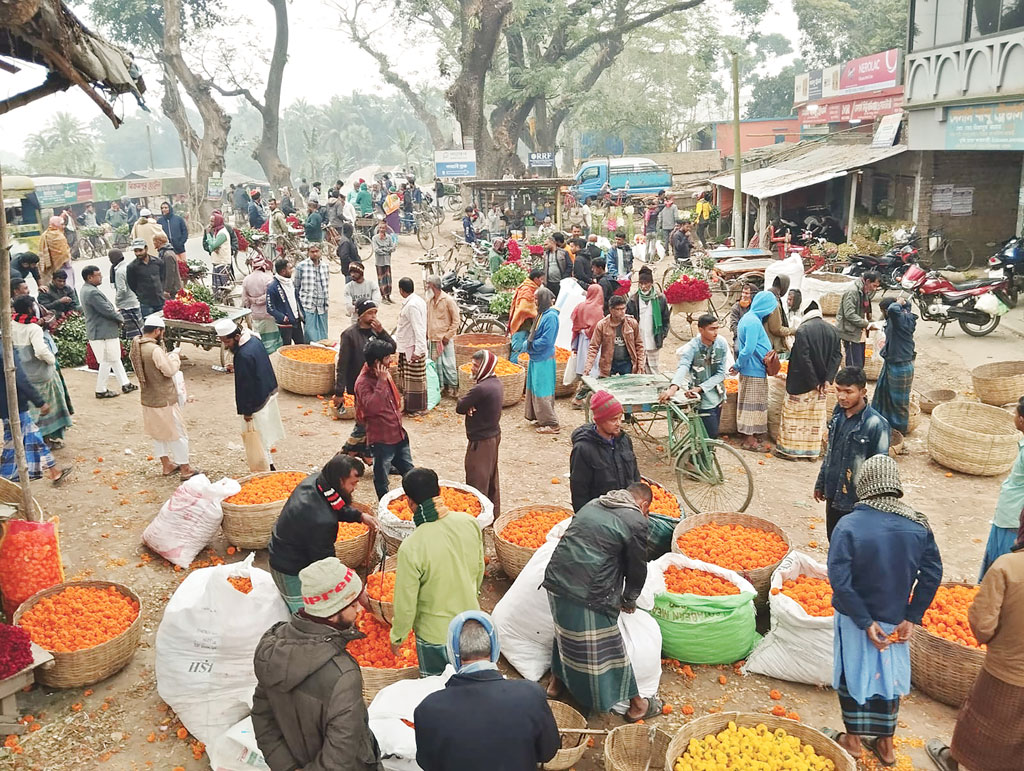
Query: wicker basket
(760, 578)
(249, 527)
(10, 492)
(999, 383)
(512, 556)
(513, 384)
(829, 301)
(929, 400)
(382, 609)
(872, 363)
(88, 666)
(352, 552)
(573, 745)
(712, 724)
(914, 418)
(727, 422)
(941, 668)
(303, 377)
(374, 679)
(391, 543)
(776, 404)
(467, 345)
(560, 389)
(973, 438)
(895, 443)
(635, 748)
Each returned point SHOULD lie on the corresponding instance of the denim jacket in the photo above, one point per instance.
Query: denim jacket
(704, 367)
(851, 441)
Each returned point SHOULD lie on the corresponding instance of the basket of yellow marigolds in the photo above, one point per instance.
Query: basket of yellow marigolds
(468, 344)
(380, 589)
(518, 533)
(512, 378)
(308, 370)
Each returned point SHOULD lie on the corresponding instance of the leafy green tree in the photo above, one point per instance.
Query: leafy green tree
(772, 95)
(64, 146)
(835, 31)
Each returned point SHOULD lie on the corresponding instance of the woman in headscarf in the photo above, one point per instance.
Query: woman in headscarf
(540, 372)
(753, 345)
(482, 408)
(54, 251)
(364, 201)
(39, 363)
(584, 318)
(217, 241)
(523, 311)
(739, 310)
(254, 297)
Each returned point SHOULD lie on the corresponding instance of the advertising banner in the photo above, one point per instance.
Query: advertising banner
(864, 109)
(450, 164)
(986, 127)
(870, 73)
(143, 188)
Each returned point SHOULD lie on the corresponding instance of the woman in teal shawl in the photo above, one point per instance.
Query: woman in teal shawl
(540, 373)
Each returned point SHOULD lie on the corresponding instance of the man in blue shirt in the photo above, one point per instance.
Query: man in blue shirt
(703, 365)
(257, 215)
(855, 433)
(468, 233)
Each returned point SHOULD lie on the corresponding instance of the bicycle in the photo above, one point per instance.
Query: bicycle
(424, 229)
(475, 321)
(951, 252)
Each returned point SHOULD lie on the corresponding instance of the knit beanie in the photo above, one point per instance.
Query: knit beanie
(328, 586)
(604, 406)
(421, 484)
(878, 476)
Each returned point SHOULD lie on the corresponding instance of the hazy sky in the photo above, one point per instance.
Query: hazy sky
(315, 44)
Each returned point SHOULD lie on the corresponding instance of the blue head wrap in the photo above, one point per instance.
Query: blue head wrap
(455, 631)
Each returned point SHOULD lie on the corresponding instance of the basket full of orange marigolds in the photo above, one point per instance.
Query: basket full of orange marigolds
(380, 589)
(945, 656)
(665, 502)
(377, 664)
(91, 628)
(750, 546)
(561, 360)
(395, 511)
(518, 534)
(468, 344)
(353, 542)
(250, 514)
(512, 377)
(727, 420)
(305, 369)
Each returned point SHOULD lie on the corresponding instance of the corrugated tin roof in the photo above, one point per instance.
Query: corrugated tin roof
(819, 165)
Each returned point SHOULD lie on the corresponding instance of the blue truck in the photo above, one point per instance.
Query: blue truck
(630, 175)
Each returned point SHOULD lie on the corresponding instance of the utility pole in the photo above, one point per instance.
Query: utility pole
(149, 141)
(739, 214)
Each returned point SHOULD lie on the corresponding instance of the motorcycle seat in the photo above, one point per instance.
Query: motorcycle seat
(965, 286)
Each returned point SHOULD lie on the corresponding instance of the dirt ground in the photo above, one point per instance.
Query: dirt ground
(116, 491)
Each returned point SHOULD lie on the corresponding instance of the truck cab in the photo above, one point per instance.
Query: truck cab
(630, 175)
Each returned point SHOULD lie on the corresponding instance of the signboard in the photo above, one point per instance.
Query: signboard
(449, 164)
(867, 108)
(143, 188)
(962, 202)
(215, 187)
(986, 127)
(63, 194)
(870, 73)
(541, 160)
(108, 191)
(888, 128)
(814, 85)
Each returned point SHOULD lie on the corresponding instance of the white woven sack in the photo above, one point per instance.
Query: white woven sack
(401, 528)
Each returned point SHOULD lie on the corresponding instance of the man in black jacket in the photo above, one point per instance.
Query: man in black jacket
(813, 364)
(602, 457)
(598, 267)
(597, 570)
(347, 250)
(307, 527)
(456, 726)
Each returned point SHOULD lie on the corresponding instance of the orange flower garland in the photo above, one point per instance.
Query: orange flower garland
(308, 355)
(244, 585)
(814, 595)
(732, 385)
(374, 650)
(664, 502)
(503, 367)
(531, 530)
(690, 581)
(735, 547)
(947, 615)
(381, 586)
(79, 617)
(349, 530)
(274, 487)
(456, 500)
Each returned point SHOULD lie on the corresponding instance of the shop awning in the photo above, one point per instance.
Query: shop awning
(819, 165)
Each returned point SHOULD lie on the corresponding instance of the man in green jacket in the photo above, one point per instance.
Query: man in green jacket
(854, 317)
(440, 568)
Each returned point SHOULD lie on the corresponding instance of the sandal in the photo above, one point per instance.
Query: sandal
(549, 430)
(871, 742)
(654, 707)
(835, 736)
(940, 755)
(172, 472)
(194, 472)
(63, 475)
(108, 394)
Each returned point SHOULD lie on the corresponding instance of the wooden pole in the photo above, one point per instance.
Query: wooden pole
(739, 210)
(10, 373)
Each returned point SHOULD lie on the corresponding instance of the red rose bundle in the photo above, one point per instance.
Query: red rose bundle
(185, 307)
(687, 289)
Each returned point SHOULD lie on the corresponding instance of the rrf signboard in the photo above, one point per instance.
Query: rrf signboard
(541, 160)
(450, 164)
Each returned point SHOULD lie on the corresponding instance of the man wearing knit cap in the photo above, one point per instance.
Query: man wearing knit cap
(308, 709)
(602, 457)
(440, 567)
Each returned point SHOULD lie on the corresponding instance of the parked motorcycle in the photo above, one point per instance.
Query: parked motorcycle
(892, 265)
(1010, 260)
(974, 305)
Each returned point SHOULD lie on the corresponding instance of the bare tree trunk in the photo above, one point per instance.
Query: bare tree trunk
(266, 152)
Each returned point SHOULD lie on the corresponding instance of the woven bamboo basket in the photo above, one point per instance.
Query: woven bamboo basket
(467, 345)
(303, 377)
(895, 443)
(690, 308)
(759, 577)
(391, 543)
(352, 552)
(91, 665)
(973, 438)
(573, 745)
(872, 363)
(382, 609)
(941, 668)
(999, 383)
(914, 418)
(560, 390)
(829, 302)
(374, 679)
(712, 724)
(929, 400)
(10, 492)
(512, 556)
(776, 404)
(653, 484)
(635, 748)
(727, 422)
(513, 384)
(249, 527)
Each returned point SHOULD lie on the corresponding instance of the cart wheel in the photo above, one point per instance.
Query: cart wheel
(425, 236)
(491, 326)
(717, 479)
(680, 325)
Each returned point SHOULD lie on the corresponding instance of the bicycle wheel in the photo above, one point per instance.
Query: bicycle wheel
(487, 326)
(241, 262)
(425, 236)
(958, 254)
(714, 479)
(453, 202)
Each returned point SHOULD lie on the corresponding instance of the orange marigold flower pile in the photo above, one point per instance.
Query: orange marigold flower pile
(690, 581)
(947, 615)
(732, 385)
(381, 586)
(374, 650)
(455, 500)
(273, 487)
(312, 355)
(531, 530)
(503, 367)
(664, 502)
(735, 547)
(814, 595)
(244, 585)
(349, 530)
(561, 355)
(79, 617)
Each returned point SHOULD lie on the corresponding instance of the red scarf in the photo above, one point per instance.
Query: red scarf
(25, 318)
